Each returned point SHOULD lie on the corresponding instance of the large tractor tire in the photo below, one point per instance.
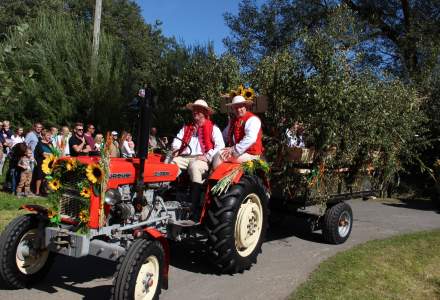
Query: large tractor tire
(236, 225)
(337, 223)
(22, 259)
(139, 273)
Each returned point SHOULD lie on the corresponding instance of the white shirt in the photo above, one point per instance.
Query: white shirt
(61, 140)
(16, 139)
(294, 140)
(126, 151)
(196, 148)
(251, 129)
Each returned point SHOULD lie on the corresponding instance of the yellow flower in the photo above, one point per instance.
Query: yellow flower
(71, 164)
(54, 184)
(232, 94)
(250, 164)
(84, 216)
(51, 213)
(85, 192)
(94, 173)
(48, 164)
(249, 94)
(240, 90)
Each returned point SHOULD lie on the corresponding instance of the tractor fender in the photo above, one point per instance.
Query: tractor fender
(223, 170)
(156, 235)
(35, 208)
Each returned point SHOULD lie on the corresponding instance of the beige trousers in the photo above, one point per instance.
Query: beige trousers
(197, 169)
(218, 160)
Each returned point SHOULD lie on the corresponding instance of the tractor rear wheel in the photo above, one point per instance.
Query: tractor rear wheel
(236, 225)
(23, 260)
(139, 273)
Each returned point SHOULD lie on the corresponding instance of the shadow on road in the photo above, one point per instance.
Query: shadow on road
(67, 273)
(287, 226)
(415, 203)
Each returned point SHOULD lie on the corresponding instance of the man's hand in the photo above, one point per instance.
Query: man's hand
(226, 153)
(202, 158)
(87, 149)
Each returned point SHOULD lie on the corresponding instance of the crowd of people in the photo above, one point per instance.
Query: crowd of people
(25, 153)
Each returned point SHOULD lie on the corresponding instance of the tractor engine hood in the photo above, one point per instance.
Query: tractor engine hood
(123, 170)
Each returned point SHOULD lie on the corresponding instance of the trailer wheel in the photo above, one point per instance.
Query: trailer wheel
(22, 259)
(337, 223)
(236, 225)
(139, 273)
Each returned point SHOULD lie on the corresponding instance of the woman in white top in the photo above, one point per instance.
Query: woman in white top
(17, 137)
(127, 145)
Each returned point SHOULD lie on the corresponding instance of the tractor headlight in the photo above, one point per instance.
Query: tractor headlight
(112, 197)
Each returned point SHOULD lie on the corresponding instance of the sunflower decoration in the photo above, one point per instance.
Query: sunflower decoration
(248, 94)
(240, 90)
(48, 164)
(51, 213)
(71, 164)
(85, 192)
(94, 173)
(54, 184)
(84, 216)
(233, 93)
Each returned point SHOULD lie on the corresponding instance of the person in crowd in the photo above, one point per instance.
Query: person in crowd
(14, 172)
(34, 136)
(62, 141)
(195, 146)
(54, 133)
(114, 147)
(17, 137)
(89, 136)
(127, 145)
(27, 164)
(295, 135)
(42, 150)
(243, 134)
(154, 142)
(99, 142)
(6, 130)
(77, 143)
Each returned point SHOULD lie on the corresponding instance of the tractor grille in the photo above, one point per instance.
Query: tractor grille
(70, 203)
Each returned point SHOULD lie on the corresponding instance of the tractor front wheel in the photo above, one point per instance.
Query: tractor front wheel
(236, 225)
(139, 273)
(23, 259)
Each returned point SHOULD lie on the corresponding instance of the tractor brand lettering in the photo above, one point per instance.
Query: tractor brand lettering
(119, 175)
(161, 173)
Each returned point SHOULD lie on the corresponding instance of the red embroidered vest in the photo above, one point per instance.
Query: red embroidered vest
(236, 130)
(204, 134)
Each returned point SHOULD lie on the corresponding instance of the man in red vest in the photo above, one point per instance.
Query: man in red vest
(243, 135)
(195, 147)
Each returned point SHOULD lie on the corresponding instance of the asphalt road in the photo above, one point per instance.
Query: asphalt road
(288, 257)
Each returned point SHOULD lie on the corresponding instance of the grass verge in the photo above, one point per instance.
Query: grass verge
(402, 267)
(10, 204)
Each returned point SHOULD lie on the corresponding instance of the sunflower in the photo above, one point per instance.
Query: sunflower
(84, 216)
(85, 192)
(94, 173)
(248, 94)
(51, 213)
(48, 164)
(240, 90)
(71, 164)
(233, 93)
(54, 184)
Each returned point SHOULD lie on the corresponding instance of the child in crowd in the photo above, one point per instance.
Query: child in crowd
(27, 164)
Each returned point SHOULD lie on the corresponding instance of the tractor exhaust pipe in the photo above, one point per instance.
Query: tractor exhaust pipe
(146, 96)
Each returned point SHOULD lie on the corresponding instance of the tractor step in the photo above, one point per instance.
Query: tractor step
(185, 223)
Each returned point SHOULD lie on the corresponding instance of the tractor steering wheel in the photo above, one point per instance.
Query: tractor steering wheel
(169, 152)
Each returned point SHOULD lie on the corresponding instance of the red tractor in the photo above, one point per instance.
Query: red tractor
(145, 204)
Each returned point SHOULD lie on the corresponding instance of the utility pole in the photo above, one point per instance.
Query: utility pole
(96, 33)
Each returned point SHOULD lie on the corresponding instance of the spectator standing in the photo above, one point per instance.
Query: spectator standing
(62, 141)
(18, 151)
(42, 150)
(27, 164)
(17, 137)
(89, 136)
(127, 145)
(295, 135)
(99, 142)
(114, 147)
(54, 133)
(33, 137)
(77, 143)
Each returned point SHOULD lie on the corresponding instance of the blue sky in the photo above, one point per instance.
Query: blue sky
(191, 21)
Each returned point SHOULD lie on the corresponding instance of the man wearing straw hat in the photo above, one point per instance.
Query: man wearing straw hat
(243, 135)
(195, 147)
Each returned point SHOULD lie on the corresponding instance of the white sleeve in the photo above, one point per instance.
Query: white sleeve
(176, 142)
(126, 148)
(218, 143)
(251, 129)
